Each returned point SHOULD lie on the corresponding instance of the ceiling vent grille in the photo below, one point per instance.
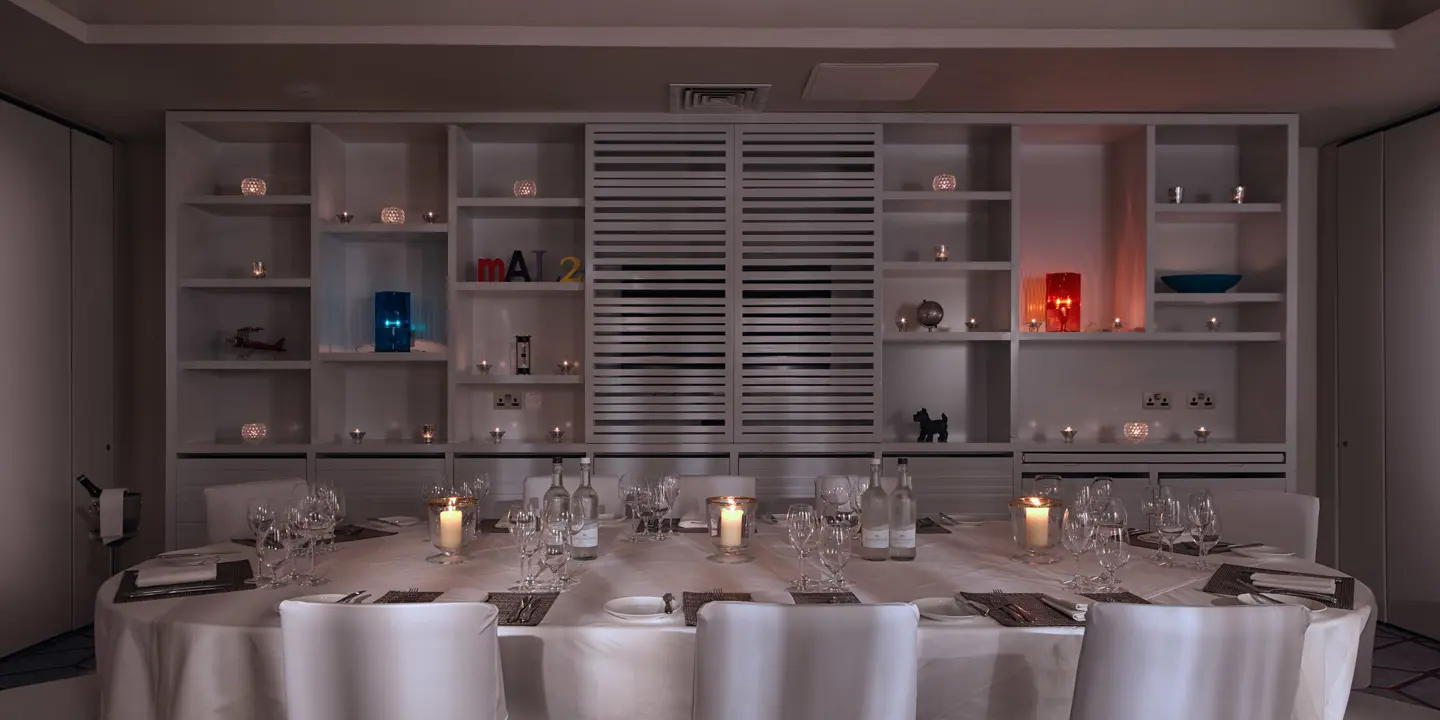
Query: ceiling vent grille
(721, 98)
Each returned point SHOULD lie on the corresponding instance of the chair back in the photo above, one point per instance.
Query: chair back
(226, 505)
(606, 486)
(695, 489)
(1281, 519)
(1200, 663)
(438, 661)
(805, 662)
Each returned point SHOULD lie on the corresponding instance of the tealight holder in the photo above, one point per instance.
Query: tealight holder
(524, 189)
(1069, 434)
(944, 182)
(1237, 195)
(1136, 432)
(483, 367)
(257, 270)
(1034, 325)
(427, 433)
(1213, 324)
(942, 253)
(902, 324)
(357, 435)
(566, 367)
(1118, 325)
(731, 520)
(1202, 434)
(972, 323)
(345, 218)
(431, 217)
(557, 434)
(392, 216)
(1035, 522)
(252, 433)
(497, 435)
(1175, 195)
(253, 187)
(452, 524)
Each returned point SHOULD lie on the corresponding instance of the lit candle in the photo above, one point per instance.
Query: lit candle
(257, 269)
(732, 520)
(1118, 325)
(451, 527)
(942, 253)
(1037, 524)
(1212, 324)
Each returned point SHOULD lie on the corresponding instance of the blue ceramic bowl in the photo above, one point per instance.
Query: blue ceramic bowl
(1201, 283)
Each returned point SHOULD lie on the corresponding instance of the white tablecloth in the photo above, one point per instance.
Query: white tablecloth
(219, 656)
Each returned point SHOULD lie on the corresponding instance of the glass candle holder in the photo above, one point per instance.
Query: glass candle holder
(972, 323)
(392, 216)
(427, 433)
(452, 526)
(253, 433)
(524, 189)
(1069, 434)
(944, 182)
(1213, 324)
(257, 270)
(431, 217)
(357, 435)
(253, 187)
(1237, 195)
(1175, 195)
(497, 435)
(557, 434)
(1202, 434)
(566, 367)
(1136, 432)
(345, 218)
(732, 524)
(1035, 522)
(942, 253)
(484, 367)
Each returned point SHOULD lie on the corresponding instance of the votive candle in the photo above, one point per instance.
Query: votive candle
(732, 524)
(452, 527)
(1037, 523)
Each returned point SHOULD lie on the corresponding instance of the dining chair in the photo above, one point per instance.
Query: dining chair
(439, 661)
(1282, 519)
(226, 505)
(695, 489)
(762, 661)
(606, 486)
(1204, 663)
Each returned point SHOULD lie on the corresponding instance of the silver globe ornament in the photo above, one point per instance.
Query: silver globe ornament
(929, 314)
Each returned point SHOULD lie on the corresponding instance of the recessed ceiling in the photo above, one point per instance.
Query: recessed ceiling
(867, 82)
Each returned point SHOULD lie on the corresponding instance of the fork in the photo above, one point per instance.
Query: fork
(520, 609)
(1009, 608)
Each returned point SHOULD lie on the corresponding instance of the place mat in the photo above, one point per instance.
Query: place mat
(406, 596)
(928, 526)
(509, 605)
(229, 577)
(1181, 548)
(672, 525)
(1044, 615)
(487, 525)
(1224, 582)
(1117, 597)
(343, 534)
(825, 598)
(693, 600)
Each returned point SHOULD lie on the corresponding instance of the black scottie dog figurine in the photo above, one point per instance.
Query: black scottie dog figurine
(930, 428)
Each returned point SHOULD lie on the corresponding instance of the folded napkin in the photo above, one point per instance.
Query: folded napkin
(174, 575)
(1073, 610)
(694, 525)
(1302, 583)
(1155, 538)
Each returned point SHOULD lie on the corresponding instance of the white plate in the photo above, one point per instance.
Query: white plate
(1263, 552)
(191, 561)
(963, 520)
(638, 607)
(945, 610)
(1313, 606)
(399, 520)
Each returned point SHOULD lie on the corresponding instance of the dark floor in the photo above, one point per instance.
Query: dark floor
(60, 657)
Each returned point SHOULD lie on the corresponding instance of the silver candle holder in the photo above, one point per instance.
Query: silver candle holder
(1069, 434)
(1213, 324)
(972, 323)
(942, 253)
(345, 218)
(497, 435)
(357, 436)
(567, 367)
(1175, 195)
(1202, 434)
(1237, 195)
(557, 434)
(258, 270)
(483, 367)
(431, 217)
(427, 434)
(1034, 325)
(902, 324)
(1117, 326)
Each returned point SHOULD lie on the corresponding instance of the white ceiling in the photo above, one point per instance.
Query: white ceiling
(1304, 62)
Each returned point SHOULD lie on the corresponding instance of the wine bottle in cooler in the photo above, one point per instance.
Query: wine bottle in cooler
(585, 503)
(902, 517)
(874, 518)
(557, 499)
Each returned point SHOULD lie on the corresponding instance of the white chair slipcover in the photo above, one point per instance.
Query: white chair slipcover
(1138, 662)
(438, 661)
(1282, 519)
(806, 662)
(226, 505)
(695, 489)
(606, 486)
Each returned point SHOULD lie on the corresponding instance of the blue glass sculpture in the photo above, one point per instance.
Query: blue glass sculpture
(392, 321)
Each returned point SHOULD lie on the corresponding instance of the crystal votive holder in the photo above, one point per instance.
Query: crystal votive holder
(1035, 522)
(453, 523)
(731, 520)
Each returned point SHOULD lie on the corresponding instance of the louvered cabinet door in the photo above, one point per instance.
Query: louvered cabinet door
(658, 233)
(809, 225)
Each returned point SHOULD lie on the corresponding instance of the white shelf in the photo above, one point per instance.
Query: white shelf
(956, 336)
(477, 379)
(239, 448)
(245, 283)
(378, 447)
(951, 268)
(250, 204)
(519, 288)
(939, 202)
(1213, 212)
(353, 228)
(512, 202)
(1217, 298)
(245, 365)
(899, 447)
(384, 357)
(1150, 337)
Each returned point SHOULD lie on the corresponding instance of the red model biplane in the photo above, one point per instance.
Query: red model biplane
(246, 346)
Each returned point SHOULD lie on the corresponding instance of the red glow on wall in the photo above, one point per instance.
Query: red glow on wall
(1062, 302)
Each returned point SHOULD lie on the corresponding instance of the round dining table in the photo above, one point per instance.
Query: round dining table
(214, 657)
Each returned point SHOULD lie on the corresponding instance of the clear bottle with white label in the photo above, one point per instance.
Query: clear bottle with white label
(874, 518)
(556, 501)
(902, 517)
(585, 503)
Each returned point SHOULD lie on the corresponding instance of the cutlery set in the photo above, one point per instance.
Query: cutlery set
(524, 611)
(1261, 592)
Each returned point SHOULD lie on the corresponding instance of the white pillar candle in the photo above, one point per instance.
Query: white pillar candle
(1037, 526)
(452, 532)
(732, 520)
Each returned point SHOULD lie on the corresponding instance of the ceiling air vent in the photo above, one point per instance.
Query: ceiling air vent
(721, 98)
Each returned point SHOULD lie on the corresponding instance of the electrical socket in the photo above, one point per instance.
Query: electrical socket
(1156, 401)
(508, 401)
(1201, 401)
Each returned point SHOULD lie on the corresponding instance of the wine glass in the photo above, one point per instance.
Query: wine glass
(1112, 549)
(1171, 527)
(1111, 515)
(1077, 534)
(260, 515)
(835, 552)
(1047, 486)
(835, 497)
(645, 508)
(631, 490)
(1101, 490)
(1153, 505)
(555, 541)
(1200, 507)
(1206, 535)
(525, 529)
(313, 516)
(665, 492)
(272, 552)
(802, 523)
(858, 485)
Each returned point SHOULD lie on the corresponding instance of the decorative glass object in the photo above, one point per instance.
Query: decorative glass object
(253, 432)
(483, 367)
(524, 188)
(431, 217)
(1175, 195)
(1069, 434)
(1136, 431)
(1035, 522)
(345, 218)
(392, 321)
(497, 435)
(732, 523)
(392, 216)
(567, 367)
(1202, 435)
(427, 433)
(257, 270)
(902, 324)
(1213, 324)
(1117, 326)
(929, 313)
(357, 435)
(557, 434)
(1062, 302)
(972, 323)
(452, 516)
(944, 182)
(252, 186)
(1034, 325)
(1237, 195)
(942, 253)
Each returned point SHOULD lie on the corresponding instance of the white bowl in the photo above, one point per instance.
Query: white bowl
(1263, 552)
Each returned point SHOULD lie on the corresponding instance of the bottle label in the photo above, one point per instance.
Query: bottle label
(589, 536)
(876, 537)
(903, 537)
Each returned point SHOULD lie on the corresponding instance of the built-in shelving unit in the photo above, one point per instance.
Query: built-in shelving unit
(733, 295)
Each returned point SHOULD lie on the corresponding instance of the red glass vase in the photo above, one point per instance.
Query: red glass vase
(1062, 302)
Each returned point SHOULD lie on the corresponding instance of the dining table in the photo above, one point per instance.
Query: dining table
(218, 656)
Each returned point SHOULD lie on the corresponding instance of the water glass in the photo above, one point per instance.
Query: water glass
(271, 550)
(802, 525)
(835, 500)
(1206, 535)
(1153, 505)
(524, 527)
(1077, 534)
(555, 546)
(633, 492)
(260, 515)
(1170, 528)
(1112, 549)
(312, 517)
(835, 552)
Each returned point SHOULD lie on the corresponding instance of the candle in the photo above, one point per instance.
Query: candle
(1037, 524)
(1118, 325)
(1212, 324)
(732, 521)
(257, 269)
(451, 527)
(942, 253)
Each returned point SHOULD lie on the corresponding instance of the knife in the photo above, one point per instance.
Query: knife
(1322, 597)
(947, 518)
(154, 592)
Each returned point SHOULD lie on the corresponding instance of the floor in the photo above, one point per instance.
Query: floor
(64, 656)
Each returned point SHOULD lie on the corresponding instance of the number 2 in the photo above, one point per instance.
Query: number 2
(574, 273)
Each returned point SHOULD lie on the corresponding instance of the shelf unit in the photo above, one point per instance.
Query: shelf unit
(728, 310)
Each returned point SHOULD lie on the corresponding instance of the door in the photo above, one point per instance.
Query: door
(35, 482)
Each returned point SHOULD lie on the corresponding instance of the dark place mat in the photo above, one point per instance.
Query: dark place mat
(406, 596)
(487, 525)
(509, 605)
(1181, 548)
(693, 600)
(928, 526)
(1223, 582)
(1045, 616)
(229, 577)
(1117, 597)
(825, 598)
(672, 525)
(343, 534)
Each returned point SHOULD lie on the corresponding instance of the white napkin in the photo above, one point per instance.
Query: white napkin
(1302, 583)
(1073, 610)
(1155, 538)
(112, 514)
(174, 574)
(693, 524)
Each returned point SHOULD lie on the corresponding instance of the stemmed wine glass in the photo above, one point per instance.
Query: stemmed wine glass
(1206, 536)
(835, 552)
(1112, 549)
(1077, 534)
(803, 523)
(525, 529)
(835, 497)
(555, 540)
(633, 491)
(312, 516)
(1153, 505)
(260, 515)
(665, 493)
(1101, 490)
(858, 485)
(1170, 528)
(272, 549)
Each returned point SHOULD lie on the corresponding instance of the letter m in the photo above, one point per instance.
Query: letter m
(491, 270)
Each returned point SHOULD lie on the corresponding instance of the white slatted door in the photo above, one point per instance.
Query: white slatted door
(658, 233)
(809, 232)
